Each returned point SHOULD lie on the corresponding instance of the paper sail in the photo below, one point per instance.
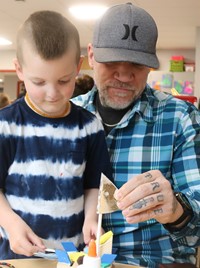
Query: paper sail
(106, 201)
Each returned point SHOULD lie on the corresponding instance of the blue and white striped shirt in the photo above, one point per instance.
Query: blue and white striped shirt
(45, 166)
(162, 133)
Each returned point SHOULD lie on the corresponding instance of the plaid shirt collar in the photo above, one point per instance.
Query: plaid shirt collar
(149, 106)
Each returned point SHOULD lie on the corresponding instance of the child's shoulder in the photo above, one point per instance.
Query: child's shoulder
(82, 111)
(85, 118)
(10, 110)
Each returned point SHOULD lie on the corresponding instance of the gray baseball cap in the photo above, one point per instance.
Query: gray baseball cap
(126, 33)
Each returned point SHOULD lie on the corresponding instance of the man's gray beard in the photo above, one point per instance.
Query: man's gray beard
(108, 102)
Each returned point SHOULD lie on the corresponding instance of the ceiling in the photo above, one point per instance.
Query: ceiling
(176, 19)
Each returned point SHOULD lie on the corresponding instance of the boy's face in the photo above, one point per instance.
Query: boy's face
(49, 83)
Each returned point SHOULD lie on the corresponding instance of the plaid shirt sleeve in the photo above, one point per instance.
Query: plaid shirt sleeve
(185, 172)
(159, 133)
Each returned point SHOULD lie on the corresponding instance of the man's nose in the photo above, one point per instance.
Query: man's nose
(123, 72)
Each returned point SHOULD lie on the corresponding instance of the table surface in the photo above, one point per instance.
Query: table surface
(42, 263)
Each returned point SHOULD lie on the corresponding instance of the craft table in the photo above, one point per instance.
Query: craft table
(42, 263)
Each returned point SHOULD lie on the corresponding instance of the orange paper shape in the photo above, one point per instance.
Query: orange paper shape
(106, 201)
(92, 252)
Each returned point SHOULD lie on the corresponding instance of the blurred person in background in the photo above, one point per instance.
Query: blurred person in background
(83, 84)
(4, 100)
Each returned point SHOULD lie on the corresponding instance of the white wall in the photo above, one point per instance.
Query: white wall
(7, 56)
(6, 59)
(164, 57)
(178, 77)
(10, 79)
(10, 85)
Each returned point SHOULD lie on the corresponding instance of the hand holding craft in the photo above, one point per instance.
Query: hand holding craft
(148, 195)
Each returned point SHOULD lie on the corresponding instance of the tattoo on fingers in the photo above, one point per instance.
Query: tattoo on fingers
(158, 211)
(160, 198)
(142, 203)
(155, 185)
(145, 201)
(152, 213)
(148, 175)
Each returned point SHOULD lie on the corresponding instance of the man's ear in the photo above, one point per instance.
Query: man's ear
(18, 69)
(90, 55)
(80, 63)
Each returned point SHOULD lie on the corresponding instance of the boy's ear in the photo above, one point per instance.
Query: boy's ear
(18, 69)
(80, 63)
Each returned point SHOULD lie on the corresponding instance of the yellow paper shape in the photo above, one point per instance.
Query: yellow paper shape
(75, 255)
(105, 237)
(106, 241)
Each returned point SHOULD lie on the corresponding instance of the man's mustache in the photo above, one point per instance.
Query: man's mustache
(120, 85)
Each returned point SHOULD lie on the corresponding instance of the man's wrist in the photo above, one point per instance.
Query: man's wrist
(185, 218)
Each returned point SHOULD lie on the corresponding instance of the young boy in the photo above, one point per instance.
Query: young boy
(52, 152)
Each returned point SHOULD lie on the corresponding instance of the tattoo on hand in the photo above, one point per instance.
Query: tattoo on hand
(160, 198)
(155, 185)
(158, 211)
(148, 175)
(142, 203)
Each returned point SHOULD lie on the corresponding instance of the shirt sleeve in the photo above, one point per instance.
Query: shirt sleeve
(186, 173)
(6, 151)
(97, 158)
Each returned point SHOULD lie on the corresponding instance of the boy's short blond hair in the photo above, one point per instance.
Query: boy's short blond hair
(49, 33)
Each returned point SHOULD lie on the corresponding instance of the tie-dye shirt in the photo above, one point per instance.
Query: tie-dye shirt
(45, 166)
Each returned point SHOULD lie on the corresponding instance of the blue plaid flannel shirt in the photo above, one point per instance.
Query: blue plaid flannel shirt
(163, 133)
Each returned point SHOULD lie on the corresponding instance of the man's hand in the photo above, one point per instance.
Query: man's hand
(148, 195)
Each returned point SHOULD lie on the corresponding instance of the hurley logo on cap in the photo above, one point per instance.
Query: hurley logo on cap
(126, 33)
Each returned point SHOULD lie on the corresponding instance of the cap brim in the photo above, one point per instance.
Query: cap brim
(103, 55)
